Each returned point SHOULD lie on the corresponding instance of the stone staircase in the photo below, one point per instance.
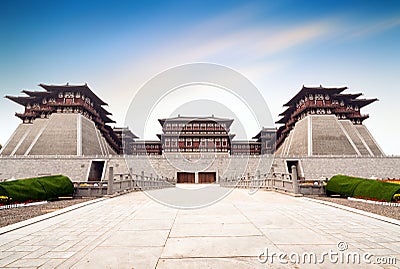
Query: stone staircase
(329, 138)
(298, 143)
(21, 131)
(61, 130)
(35, 130)
(355, 137)
(90, 138)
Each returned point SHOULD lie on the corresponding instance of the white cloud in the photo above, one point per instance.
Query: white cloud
(371, 28)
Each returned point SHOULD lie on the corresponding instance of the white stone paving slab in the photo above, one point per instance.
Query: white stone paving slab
(214, 229)
(125, 257)
(28, 263)
(147, 224)
(297, 236)
(221, 263)
(205, 247)
(148, 238)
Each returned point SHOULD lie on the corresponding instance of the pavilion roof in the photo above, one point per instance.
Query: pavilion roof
(347, 95)
(257, 136)
(35, 96)
(22, 100)
(125, 131)
(363, 102)
(84, 89)
(186, 119)
(313, 90)
(287, 111)
(35, 93)
(284, 119)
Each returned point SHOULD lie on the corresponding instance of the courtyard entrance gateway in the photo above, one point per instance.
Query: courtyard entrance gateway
(192, 178)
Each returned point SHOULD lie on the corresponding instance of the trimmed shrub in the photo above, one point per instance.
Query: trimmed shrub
(343, 185)
(362, 187)
(377, 190)
(37, 189)
(56, 186)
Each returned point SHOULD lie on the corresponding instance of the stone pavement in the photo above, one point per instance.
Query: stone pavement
(132, 231)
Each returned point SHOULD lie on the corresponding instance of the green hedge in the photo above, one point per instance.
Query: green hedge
(362, 187)
(377, 190)
(37, 189)
(343, 185)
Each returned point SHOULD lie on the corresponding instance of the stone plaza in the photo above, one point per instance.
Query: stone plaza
(133, 231)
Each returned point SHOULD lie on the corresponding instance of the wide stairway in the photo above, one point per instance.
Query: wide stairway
(355, 137)
(20, 133)
(62, 126)
(328, 137)
(35, 131)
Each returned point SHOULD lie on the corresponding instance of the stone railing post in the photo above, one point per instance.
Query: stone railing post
(110, 183)
(273, 181)
(295, 180)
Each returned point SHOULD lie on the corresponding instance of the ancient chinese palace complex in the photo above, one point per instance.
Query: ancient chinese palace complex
(325, 121)
(200, 134)
(62, 120)
(71, 120)
(191, 134)
(66, 130)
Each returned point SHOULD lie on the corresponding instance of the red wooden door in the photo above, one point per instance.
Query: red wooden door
(207, 177)
(184, 177)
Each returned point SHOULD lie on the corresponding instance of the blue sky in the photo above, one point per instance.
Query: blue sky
(279, 45)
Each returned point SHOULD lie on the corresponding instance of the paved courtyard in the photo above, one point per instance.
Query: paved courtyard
(132, 231)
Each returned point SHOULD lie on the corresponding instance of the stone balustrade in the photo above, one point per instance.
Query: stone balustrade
(118, 183)
(277, 181)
